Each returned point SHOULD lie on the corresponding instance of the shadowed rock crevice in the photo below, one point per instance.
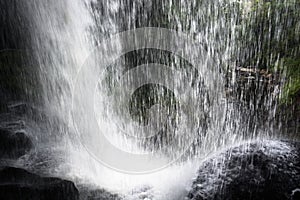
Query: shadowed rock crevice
(13, 144)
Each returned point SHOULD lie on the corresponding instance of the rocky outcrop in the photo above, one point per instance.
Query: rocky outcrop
(256, 171)
(19, 184)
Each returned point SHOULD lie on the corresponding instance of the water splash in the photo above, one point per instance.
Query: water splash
(67, 32)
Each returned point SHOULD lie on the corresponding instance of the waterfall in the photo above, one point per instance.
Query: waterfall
(74, 38)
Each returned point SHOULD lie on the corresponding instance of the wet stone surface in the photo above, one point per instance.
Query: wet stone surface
(256, 171)
(20, 184)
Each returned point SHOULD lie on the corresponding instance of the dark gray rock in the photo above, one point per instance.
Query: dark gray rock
(17, 183)
(97, 194)
(267, 170)
(13, 144)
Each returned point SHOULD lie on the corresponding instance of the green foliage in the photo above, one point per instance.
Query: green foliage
(273, 34)
(292, 88)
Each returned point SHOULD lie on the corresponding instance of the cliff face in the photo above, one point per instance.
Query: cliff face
(19, 79)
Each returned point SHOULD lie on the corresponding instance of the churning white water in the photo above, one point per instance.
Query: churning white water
(69, 32)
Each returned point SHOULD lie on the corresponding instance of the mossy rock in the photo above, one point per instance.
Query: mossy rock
(291, 90)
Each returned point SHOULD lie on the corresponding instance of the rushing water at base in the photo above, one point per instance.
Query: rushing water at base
(66, 34)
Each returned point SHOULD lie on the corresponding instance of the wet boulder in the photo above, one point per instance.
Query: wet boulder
(13, 144)
(255, 171)
(18, 183)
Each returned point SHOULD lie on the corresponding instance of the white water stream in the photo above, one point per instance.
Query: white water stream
(68, 32)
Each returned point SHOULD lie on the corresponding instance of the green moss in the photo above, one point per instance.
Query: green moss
(291, 89)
